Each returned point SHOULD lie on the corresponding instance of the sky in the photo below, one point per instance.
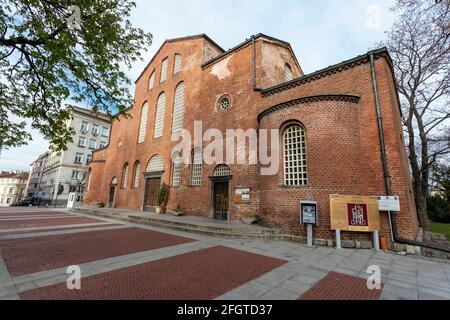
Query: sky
(322, 33)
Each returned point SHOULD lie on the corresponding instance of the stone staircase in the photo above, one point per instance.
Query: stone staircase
(196, 225)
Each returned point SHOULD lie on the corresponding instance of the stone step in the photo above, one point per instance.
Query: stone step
(233, 233)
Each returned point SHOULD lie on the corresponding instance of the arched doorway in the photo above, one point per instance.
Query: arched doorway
(112, 192)
(153, 179)
(221, 192)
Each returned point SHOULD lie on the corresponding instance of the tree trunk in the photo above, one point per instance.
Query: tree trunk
(421, 206)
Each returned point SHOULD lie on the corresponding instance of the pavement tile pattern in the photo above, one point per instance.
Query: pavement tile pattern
(31, 230)
(337, 286)
(23, 256)
(200, 275)
(16, 224)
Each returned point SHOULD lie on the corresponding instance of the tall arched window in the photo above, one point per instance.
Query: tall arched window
(196, 174)
(137, 175)
(143, 123)
(163, 70)
(288, 72)
(125, 176)
(178, 108)
(177, 166)
(151, 81)
(177, 64)
(295, 168)
(160, 113)
(156, 164)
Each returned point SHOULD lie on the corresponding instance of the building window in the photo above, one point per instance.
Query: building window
(163, 71)
(92, 144)
(75, 174)
(288, 76)
(143, 123)
(177, 166)
(105, 132)
(196, 174)
(137, 175)
(156, 164)
(11, 191)
(151, 81)
(224, 103)
(125, 176)
(178, 109)
(222, 170)
(82, 142)
(85, 127)
(102, 144)
(95, 129)
(78, 158)
(89, 159)
(160, 113)
(295, 173)
(177, 65)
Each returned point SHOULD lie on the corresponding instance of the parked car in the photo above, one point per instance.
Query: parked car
(24, 203)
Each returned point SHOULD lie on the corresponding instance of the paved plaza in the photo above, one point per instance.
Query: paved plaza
(120, 260)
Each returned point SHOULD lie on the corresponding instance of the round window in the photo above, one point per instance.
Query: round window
(224, 103)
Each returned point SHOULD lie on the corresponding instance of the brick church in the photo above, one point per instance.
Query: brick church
(329, 137)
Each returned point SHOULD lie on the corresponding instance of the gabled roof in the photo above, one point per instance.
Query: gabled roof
(248, 41)
(197, 36)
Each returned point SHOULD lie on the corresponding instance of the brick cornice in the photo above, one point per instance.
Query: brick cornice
(328, 97)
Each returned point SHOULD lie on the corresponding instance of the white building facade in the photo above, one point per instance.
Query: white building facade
(12, 188)
(67, 171)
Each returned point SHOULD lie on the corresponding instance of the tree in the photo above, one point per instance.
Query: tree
(419, 43)
(55, 51)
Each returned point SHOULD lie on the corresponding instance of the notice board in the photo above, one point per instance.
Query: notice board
(354, 213)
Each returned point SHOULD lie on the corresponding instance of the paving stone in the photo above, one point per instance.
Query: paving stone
(279, 293)
(401, 293)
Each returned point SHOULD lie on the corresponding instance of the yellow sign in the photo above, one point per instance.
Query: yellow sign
(354, 213)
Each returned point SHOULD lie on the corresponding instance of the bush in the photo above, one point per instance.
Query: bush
(438, 209)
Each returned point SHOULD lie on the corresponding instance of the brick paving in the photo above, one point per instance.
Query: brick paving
(45, 222)
(337, 286)
(24, 256)
(199, 275)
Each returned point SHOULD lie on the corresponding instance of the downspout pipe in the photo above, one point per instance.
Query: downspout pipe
(387, 177)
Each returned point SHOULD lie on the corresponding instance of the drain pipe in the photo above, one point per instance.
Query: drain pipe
(387, 178)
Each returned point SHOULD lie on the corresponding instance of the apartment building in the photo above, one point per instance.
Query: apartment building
(12, 187)
(66, 171)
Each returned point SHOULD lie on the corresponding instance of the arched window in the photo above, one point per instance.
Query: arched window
(151, 81)
(163, 70)
(178, 108)
(137, 175)
(177, 64)
(177, 165)
(143, 123)
(196, 174)
(114, 181)
(160, 113)
(222, 170)
(156, 164)
(125, 176)
(288, 72)
(295, 169)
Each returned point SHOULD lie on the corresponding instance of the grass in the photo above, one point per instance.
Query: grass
(443, 228)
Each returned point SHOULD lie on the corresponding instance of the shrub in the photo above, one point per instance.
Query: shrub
(438, 209)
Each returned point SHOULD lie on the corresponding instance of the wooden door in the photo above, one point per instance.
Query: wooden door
(151, 192)
(112, 192)
(221, 201)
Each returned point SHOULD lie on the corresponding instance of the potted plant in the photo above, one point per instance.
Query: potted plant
(178, 211)
(251, 219)
(162, 196)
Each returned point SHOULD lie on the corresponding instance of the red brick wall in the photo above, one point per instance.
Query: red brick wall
(342, 136)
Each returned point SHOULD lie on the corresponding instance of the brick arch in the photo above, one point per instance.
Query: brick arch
(155, 164)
